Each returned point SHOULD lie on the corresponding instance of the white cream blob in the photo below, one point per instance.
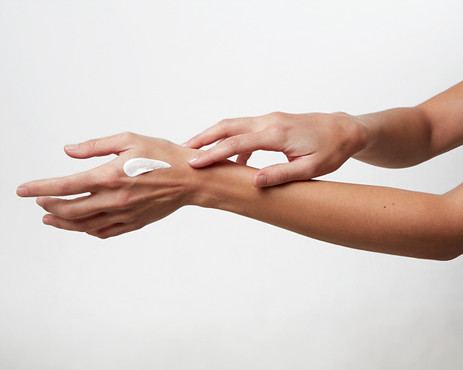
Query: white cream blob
(136, 166)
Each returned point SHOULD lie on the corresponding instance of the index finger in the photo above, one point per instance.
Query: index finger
(222, 130)
(68, 185)
(244, 143)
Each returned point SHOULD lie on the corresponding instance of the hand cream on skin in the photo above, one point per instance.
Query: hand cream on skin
(136, 166)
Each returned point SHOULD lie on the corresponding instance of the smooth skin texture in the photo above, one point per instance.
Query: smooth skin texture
(314, 143)
(117, 203)
(318, 143)
(372, 218)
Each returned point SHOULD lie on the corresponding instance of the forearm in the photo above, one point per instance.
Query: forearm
(403, 137)
(398, 137)
(364, 217)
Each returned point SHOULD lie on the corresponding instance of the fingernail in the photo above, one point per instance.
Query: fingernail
(185, 143)
(46, 220)
(71, 147)
(195, 159)
(39, 201)
(261, 180)
(22, 191)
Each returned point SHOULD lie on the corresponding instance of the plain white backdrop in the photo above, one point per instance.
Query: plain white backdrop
(204, 289)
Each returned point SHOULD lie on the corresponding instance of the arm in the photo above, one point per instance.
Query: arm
(403, 137)
(364, 217)
(318, 143)
(372, 218)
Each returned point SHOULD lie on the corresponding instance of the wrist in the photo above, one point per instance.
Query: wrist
(215, 186)
(354, 132)
(360, 133)
(224, 185)
(365, 132)
(182, 183)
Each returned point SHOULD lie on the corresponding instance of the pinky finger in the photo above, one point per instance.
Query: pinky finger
(113, 230)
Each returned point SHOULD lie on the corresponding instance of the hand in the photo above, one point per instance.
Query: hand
(117, 203)
(314, 143)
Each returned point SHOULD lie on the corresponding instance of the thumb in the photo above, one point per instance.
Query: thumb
(282, 173)
(99, 147)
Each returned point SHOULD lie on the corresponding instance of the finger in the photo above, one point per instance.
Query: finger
(84, 224)
(238, 144)
(243, 158)
(113, 230)
(221, 130)
(72, 208)
(99, 147)
(68, 185)
(300, 169)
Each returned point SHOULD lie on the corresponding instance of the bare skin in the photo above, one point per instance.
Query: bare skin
(314, 143)
(372, 218)
(318, 143)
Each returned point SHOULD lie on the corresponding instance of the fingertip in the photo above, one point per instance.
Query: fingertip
(41, 201)
(71, 147)
(22, 191)
(260, 180)
(72, 150)
(196, 161)
(192, 144)
(46, 219)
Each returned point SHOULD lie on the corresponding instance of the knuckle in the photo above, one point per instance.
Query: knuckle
(278, 134)
(112, 182)
(91, 145)
(82, 226)
(224, 126)
(277, 116)
(98, 234)
(225, 123)
(68, 212)
(231, 142)
(280, 176)
(344, 114)
(137, 225)
(46, 207)
(130, 218)
(123, 199)
(111, 179)
(127, 136)
(64, 186)
(88, 225)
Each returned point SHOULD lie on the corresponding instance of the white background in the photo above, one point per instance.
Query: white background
(204, 289)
